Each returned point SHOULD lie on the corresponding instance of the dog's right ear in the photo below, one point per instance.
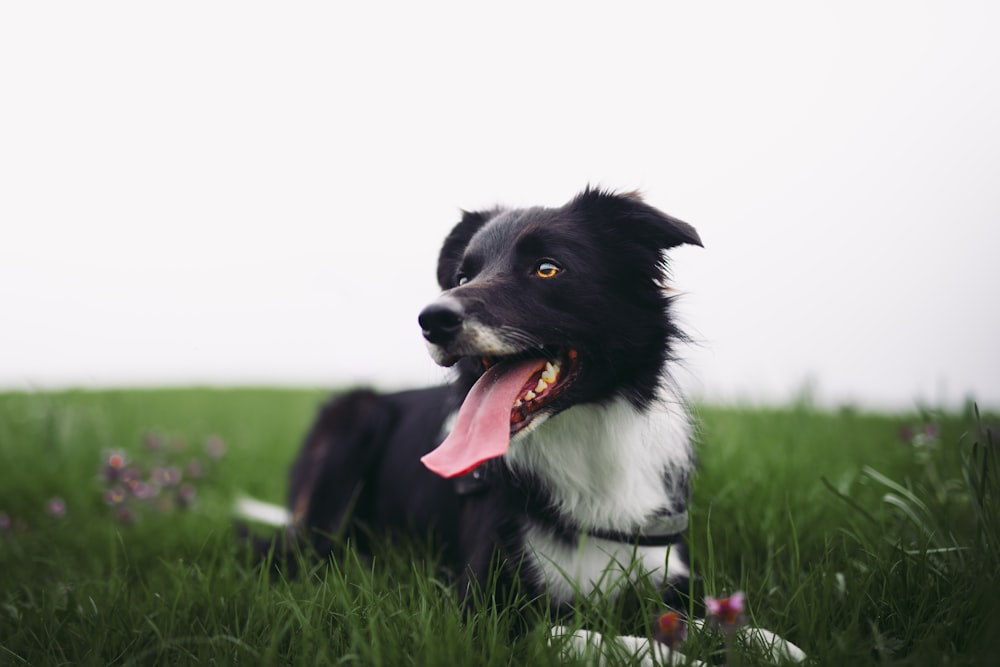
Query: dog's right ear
(455, 243)
(642, 220)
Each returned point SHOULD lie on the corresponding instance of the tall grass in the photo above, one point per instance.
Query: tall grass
(861, 546)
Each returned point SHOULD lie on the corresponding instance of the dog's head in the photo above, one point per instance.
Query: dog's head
(550, 308)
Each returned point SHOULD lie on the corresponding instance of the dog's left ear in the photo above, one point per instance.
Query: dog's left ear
(629, 209)
(454, 245)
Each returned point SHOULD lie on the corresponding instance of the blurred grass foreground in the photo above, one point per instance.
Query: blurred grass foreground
(863, 538)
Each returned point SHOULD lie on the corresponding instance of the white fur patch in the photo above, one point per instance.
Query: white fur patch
(476, 339)
(606, 467)
(584, 644)
(569, 570)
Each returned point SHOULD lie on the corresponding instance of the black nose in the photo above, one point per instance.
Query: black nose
(441, 320)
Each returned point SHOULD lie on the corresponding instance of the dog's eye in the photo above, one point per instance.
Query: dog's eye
(546, 270)
(462, 279)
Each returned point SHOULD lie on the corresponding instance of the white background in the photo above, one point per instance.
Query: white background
(231, 193)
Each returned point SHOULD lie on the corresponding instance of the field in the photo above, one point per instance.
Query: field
(865, 539)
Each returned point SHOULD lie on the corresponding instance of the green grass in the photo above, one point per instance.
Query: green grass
(856, 546)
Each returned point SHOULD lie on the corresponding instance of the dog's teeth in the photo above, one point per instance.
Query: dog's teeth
(541, 386)
(530, 396)
(518, 403)
(550, 373)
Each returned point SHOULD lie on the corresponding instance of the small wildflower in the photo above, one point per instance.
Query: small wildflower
(130, 474)
(186, 494)
(113, 466)
(931, 430)
(164, 504)
(153, 441)
(56, 507)
(115, 496)
(215, 447)
(727, 612)
(143, 490)
(671, 629)
(125, 515)
(194, 469)
(167, 476)
(906, 434)
(6, 523)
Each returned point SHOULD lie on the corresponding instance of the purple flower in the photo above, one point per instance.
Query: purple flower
(142, 490)
(194, 469)
(186, 494)
(130, 474)
(215, 447)
(6, 524)
(115, 496)
(113, 466)
(154, 442)
(56, 507)
(727, 612)
(167, 476)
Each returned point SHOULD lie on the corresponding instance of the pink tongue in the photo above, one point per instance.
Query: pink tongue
(482, 430)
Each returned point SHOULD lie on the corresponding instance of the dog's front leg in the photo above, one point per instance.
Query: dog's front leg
(778, 649)
(587, 644)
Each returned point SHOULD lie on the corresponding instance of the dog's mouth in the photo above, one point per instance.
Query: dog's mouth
(508, 399)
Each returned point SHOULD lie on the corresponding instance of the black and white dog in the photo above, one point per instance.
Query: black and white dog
(562, 449)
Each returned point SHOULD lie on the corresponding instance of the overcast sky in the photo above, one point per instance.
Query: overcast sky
(232, 193)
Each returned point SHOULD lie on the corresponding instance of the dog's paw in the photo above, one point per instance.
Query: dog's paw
(576, 645)
(780, 650)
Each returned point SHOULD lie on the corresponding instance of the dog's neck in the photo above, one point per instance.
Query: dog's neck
(610, 466)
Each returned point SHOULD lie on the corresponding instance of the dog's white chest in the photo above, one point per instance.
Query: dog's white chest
(611, 467)
(568, 570)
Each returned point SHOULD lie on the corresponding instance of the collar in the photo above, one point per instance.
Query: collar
(661, 529)
(658, 531)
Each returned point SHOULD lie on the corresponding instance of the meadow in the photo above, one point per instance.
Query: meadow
(866, 539)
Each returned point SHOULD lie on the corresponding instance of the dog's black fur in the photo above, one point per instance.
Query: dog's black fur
(600, 307)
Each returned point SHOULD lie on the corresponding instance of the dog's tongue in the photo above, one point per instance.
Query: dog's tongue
(482, 430)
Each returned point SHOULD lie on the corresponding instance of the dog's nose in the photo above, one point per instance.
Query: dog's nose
(441, 320)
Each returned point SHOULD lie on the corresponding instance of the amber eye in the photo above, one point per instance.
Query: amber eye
(546, 270)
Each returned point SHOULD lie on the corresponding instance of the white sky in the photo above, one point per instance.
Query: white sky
(229, 193)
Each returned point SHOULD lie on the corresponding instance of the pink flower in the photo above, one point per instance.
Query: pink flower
(215, 447)
(113, 466)
(186, 494)
(125, 515)
(727, 612)
(56, 507)
(154, 442)
(671, 629)
(194, 469)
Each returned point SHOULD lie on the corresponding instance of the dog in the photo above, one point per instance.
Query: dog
(562, 449)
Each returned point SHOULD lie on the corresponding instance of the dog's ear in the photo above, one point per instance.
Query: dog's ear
(629, 209)
(455, 243)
